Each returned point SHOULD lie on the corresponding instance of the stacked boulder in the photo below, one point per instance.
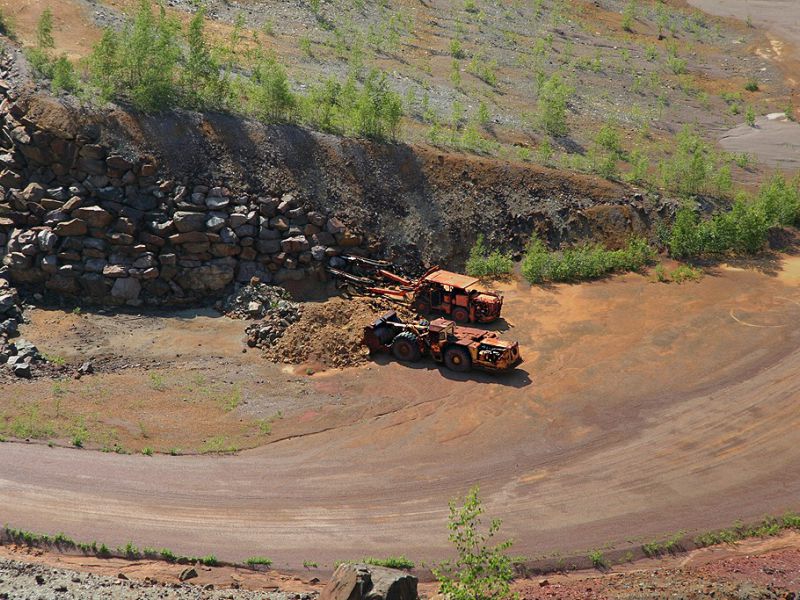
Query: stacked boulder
(84, 220)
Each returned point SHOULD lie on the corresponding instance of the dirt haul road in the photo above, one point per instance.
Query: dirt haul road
(643, 408)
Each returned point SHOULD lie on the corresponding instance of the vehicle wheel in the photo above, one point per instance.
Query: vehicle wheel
(384, 334)
(422, 307)
(457, 359)
(460, 314)
(405, 347)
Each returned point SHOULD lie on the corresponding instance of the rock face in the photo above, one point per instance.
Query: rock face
(367, 582)
(80, 217)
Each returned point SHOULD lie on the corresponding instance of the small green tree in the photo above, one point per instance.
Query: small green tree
(689, 169)
(200, 80)
(481, 571)
(44, 31)
(684, 240)
(104, 65)
(553, 97)
(750, 116)
(377, 109)
(64, 76)
(270, 98)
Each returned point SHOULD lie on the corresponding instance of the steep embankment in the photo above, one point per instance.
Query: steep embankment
(115, 206)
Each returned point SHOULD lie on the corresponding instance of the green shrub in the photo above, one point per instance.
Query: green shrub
(6, 25)
(139, 62)
(583, 262)
(781, 200)
(44, 31)
(742, 230)
(167, 555)
(481, 571)
(201, 84)
(750, 116)
(751, 85)
(63, 77)
(482, 263)
(209, 560)
(393, 562)
(685, 273)
(269, 95)
(598, 560)
(689, 170)
(258, 560)
(684, 239)
(552, 102)
(377, 110)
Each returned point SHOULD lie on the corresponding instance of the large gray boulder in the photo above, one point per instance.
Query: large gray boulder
(367, 582)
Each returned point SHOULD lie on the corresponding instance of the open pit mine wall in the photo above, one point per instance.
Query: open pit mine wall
(112, 207)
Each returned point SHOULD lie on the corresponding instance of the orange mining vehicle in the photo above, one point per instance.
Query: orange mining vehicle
(438, 291)
(459, 348)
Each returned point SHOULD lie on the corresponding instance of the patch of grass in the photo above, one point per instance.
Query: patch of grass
(769, 526)
(686, 273)
(310, 564)
(671, 545)
(258, 561)
(218, 444)
(482, 263)
(392, 562)
(232, 399)
(168, 555)
(157, 382)
(584, 262)
(28, 425)
(129, 550)
(751, 85)
(209, 560)
(147, 451)
(57, 360)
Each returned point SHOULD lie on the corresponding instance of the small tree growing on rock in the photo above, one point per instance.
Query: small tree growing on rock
(481, 571)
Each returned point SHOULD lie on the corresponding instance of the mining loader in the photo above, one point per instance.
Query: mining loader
(461, 349)
(438, 291)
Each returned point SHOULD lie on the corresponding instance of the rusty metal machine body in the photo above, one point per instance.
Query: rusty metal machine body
(460, 348)
(438, 291)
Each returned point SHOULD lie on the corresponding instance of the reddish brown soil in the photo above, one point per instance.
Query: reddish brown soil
(73, 29)
(752, 569)
(642, 409)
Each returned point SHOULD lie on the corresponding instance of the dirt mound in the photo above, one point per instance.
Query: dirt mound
(329, 333)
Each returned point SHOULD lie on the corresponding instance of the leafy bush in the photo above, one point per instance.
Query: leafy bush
(553, 97)
(139, 62)
(690, 169)
(6, 25)
(63, 75)
(481, 571)
(743, 229)
(269, 95)
(393, 562)
(781, 200)
(583, 262)
(482, 263)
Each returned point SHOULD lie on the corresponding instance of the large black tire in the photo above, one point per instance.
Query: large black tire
(460, 314)
(422, 307)
(457, 359)
(405, 347)
(384, 334)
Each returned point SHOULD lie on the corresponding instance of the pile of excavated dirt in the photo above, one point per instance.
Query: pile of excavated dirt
(329, 333)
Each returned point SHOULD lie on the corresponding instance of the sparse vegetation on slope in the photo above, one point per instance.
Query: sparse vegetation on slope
(583, 262)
